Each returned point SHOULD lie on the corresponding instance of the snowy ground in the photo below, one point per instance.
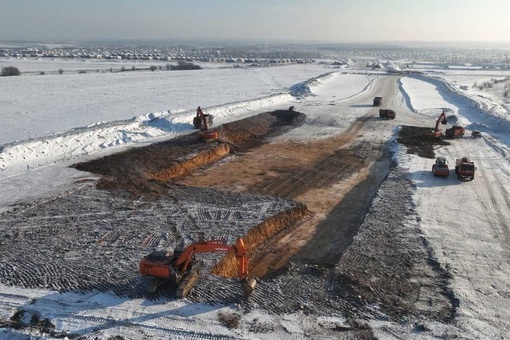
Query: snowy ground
(466, 223)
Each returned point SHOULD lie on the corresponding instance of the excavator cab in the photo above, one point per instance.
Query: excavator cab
(441, 162)
(198, 122)
(203, 122)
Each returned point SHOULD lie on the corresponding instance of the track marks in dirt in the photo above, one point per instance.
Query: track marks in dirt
(316, 173)
(391, 264)
(91, 239)
(83, 326)
(325, 172)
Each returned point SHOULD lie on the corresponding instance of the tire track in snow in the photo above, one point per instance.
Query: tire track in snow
(495, 198)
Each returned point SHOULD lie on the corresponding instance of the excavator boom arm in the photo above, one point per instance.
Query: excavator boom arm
(202, 118)
(202, 122)
(441, 119)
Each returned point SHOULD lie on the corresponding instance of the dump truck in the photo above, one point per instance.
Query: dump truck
(465, 168)
(476, 134)
(377, 101)
(440, 167)
(455, 132)
(388, 114)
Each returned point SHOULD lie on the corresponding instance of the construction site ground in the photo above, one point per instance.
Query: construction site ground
(329, 224)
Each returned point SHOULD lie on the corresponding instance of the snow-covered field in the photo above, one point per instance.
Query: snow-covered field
(52, 120)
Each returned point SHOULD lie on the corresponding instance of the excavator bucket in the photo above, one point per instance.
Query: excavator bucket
(247, 286)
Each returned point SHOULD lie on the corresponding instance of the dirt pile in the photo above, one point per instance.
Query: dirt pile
(258, 236)
(32, 323)
(419, 141)
(179, 156)
(251, 132)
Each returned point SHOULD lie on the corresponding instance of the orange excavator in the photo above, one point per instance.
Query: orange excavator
(203, 121)
(442, 119)
(180, 267)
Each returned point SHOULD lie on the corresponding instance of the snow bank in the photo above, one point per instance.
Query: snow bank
(102, 137)
(478, 113)
(305, 88)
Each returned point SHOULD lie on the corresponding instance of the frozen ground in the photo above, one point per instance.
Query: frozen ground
(464, 225)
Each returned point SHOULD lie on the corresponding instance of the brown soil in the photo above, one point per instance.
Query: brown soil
(161, 162)
(318, 174)
(419, 141)
(321, 194)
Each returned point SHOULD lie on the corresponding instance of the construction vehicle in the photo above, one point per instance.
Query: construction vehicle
(181, 269)
(203, 122)
(476, 134)
(440, 167)
(377, 101)
(436, 133)
(465, 168)
(388, 114)
(455, 132)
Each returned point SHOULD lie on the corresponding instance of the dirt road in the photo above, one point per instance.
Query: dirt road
(318, 173)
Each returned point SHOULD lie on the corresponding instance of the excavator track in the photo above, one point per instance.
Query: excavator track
(188, 282)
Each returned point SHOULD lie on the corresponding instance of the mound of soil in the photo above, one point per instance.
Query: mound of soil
(132, 169)
(419, 141)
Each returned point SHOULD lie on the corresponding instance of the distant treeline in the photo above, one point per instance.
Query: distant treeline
(181, 65)
(185, 65)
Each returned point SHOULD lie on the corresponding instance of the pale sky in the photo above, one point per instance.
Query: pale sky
(305, 20)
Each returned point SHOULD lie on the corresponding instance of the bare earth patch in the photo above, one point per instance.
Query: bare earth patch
(329, 224)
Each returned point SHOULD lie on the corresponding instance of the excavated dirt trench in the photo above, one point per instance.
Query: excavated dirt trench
(177, 158)
(180, 156)
(315, 174)
(298, 206)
